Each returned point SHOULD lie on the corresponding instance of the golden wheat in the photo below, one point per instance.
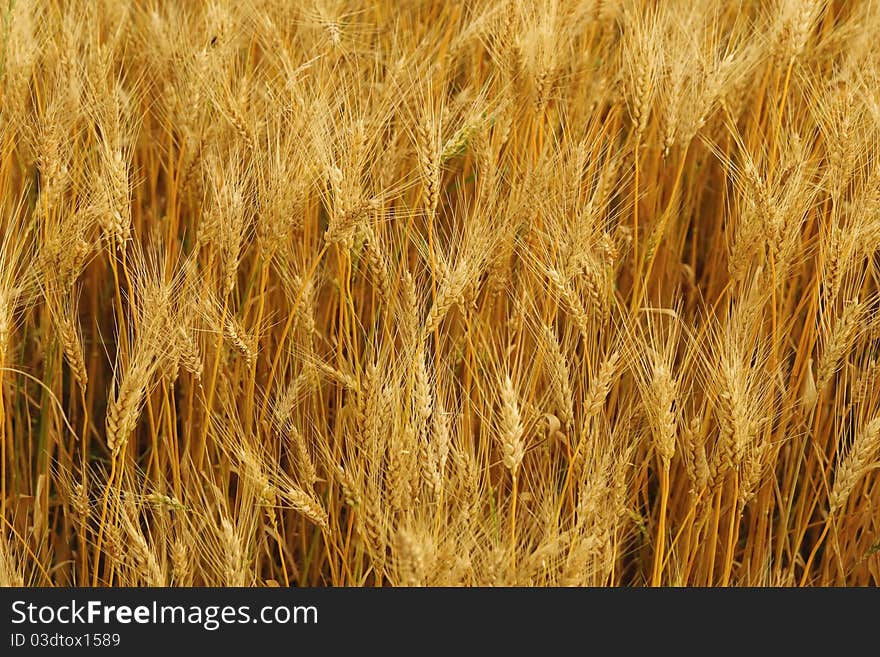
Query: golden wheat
(472, 293)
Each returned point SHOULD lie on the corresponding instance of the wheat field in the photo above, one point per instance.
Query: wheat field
(467, 293)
